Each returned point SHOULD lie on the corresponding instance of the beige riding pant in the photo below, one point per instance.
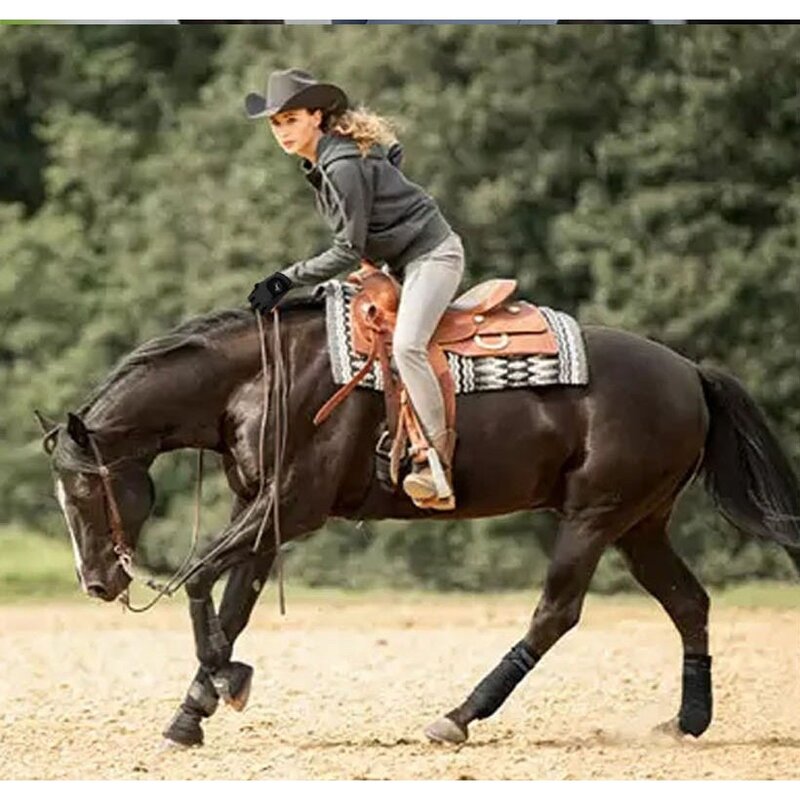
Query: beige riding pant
(430, 284)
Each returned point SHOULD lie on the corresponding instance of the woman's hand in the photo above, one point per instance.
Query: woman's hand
(267, 293)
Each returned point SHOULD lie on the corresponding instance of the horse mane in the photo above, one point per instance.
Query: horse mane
(197, 332)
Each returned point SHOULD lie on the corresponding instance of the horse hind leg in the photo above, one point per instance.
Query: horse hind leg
(659, 570)
(578, 549)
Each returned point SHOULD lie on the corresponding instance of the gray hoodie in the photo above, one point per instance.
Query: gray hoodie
(375, 212)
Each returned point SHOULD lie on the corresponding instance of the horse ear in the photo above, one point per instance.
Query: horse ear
(77, 430)
(46, 423)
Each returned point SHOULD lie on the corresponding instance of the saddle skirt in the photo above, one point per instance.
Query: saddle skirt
(490, 342)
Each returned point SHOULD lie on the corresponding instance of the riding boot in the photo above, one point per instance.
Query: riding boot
(420, 485)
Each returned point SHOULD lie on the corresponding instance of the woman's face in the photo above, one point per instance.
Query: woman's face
(297, 131)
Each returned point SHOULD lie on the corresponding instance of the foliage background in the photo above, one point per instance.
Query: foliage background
(645, 177)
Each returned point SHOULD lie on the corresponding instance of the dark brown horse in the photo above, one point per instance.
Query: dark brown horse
(609, 458)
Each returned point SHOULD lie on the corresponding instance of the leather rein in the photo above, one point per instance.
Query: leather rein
(124, 552)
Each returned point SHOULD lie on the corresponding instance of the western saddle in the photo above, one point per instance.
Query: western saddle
(479, 323)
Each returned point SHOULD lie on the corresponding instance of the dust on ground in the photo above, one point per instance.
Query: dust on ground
(344, 688)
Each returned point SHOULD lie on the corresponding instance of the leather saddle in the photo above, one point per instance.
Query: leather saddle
(479, 323)
(482, 322)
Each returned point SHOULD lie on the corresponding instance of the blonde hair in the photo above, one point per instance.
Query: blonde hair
(364, 127)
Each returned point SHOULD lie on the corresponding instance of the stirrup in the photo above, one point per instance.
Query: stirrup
(431, 499)
(418, 484)
(439, 479)
(435, 504)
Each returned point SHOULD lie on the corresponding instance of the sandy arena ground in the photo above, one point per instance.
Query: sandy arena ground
(343, 689)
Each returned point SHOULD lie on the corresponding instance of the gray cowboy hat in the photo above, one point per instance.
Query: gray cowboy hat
(294, 88)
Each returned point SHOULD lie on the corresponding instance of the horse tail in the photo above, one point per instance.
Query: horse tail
(744, 468)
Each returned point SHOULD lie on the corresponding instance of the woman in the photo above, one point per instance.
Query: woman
(352, 158)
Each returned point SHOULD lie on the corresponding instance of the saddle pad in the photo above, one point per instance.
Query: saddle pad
(469, 374)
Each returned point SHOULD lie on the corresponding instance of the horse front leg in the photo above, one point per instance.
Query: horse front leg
(215, 635)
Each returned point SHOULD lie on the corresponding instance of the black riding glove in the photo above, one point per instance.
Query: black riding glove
(266, 293)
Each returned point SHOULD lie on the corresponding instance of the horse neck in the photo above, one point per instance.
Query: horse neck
(180, 400)
(173, 402)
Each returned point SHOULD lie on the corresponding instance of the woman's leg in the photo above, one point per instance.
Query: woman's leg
(429, 286)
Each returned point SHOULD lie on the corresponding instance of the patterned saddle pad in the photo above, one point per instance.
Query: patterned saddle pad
(487, 373)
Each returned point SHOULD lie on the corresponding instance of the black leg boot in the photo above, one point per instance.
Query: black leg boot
(696, 702)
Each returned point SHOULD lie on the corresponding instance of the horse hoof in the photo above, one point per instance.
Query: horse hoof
(238, 701)
(233, 683)
(447, 731)
(184, 730)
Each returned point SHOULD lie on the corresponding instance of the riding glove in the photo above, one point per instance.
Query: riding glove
(267, 293)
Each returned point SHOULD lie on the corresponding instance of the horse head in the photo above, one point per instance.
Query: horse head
(104, 504)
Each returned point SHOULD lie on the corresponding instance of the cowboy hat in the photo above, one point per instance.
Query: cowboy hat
(294, 88)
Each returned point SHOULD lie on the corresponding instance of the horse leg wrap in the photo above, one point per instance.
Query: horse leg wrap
(202, 697)
(212, 645)
(490, 693)
(696, 702)
(201, 702)
(217, 638)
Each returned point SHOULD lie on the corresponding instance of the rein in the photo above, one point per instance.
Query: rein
(124, 552)
(281, 428)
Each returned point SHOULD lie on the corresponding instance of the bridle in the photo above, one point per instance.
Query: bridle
(121, 549)
(124, 552)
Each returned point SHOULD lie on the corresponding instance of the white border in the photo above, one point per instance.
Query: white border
(410, 10)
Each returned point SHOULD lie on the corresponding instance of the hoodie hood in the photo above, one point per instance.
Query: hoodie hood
(332, 148)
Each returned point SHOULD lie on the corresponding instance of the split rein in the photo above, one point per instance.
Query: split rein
(184, 572)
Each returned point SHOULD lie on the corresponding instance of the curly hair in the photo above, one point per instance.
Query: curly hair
(363, 126)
